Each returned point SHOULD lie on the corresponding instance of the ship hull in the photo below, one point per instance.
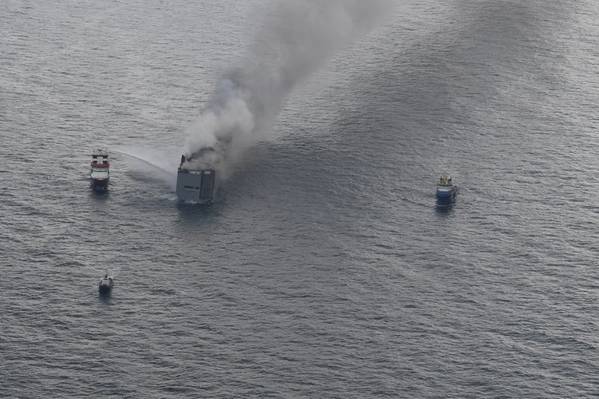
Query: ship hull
(99, 186)
(105, 286)
(196, 186)
(446, 195)
(104, 290)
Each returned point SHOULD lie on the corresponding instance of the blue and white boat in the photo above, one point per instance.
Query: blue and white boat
(446, 191)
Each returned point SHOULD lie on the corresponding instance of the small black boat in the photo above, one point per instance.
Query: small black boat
(105, 285)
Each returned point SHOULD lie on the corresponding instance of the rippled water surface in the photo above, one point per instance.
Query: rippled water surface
(324, 270)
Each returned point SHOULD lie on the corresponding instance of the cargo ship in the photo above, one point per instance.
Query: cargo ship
(196, 181)
(100, 171)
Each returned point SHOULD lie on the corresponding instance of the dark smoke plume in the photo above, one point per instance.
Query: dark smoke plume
(298, 38)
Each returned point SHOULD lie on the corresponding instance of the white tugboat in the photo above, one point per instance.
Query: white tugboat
(100, 171)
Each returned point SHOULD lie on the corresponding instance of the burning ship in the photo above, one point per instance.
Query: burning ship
(196, 177)
(100, 171)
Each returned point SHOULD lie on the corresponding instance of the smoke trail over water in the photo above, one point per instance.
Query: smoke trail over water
(298, 37)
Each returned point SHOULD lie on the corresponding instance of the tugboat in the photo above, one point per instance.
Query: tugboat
(105, 285)
(446, 191)
(100, 171)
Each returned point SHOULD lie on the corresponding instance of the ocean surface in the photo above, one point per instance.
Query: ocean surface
(324, 269)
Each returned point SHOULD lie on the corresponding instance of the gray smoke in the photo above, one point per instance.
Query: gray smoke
(298, 38)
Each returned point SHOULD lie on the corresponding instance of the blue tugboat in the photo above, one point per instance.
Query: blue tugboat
(446, 191)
